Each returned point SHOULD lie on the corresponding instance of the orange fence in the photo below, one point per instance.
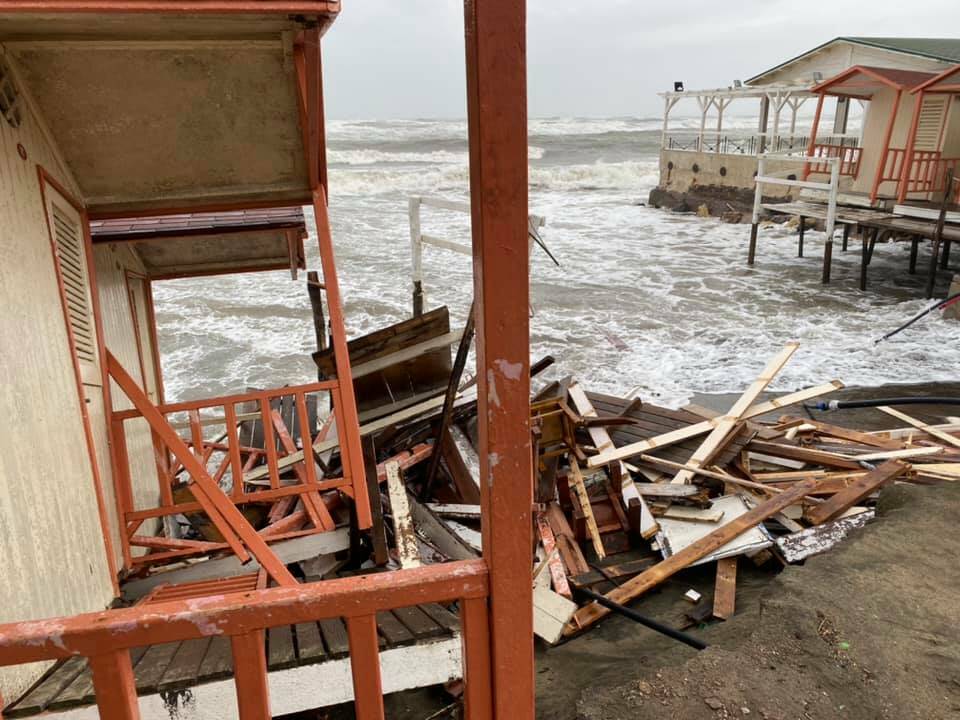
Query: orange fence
(226, 453)
(924, 173)
(849, 158)
(105, 638)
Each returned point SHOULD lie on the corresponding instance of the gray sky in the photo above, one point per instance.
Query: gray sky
(404, 58)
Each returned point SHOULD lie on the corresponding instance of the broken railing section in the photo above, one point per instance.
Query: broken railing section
(225, 476)
(628, 494)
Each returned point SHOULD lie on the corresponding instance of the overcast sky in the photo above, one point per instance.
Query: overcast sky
(404, 58)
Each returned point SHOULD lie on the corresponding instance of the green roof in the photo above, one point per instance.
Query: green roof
(943, 49)
(946, 49)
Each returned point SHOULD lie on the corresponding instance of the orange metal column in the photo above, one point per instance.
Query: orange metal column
(114, 686)
(497, 119)
(475, 646)
(365, 667)
(250, 675)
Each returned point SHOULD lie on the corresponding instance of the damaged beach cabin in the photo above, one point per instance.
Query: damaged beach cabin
(225, 557)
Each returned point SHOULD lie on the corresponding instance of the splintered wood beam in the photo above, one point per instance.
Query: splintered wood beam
(603, 443)
(675, 436)
(554, 563)
(725, 589)
(843, 433)
(634, 588)
(920, 425)
(856, 491)
(576, 482)
(408, 549)
(569, 549)
(728, 422)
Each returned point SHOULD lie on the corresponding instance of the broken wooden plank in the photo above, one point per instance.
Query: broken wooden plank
(725, 589)
(569, 549)
(601, 441)
(727, 532)
(612, 572)
(728, 422)
(554, 563)
(681, 512)
(408, 551)
(287, 551)
(576, 482)
(855, 492)
(899, 454)
(551, 613)
(676, 436)
(666, 490)
(920, 425)
(798, 546)
(455, 510)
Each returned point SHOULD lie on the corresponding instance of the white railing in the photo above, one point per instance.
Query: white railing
(747, 142)
(418, 239)
(832, 188)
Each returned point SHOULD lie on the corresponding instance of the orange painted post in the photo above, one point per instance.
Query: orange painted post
(114, 685)
(497, 124)
(881, 165)
(908, 153)
(233, 443)
(475, 645)
(365, 667)
(813, 133)
(250, 675)
(348, 423)
(269, 442)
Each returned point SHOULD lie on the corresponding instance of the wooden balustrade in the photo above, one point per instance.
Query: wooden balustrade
(227, 453)
(106, 638)
(849, 158)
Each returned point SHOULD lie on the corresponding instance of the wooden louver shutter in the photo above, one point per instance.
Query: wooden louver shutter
(930, 122)
(76, 282)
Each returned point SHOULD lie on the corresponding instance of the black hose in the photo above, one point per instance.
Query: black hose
(849, 404)
(644, 620)
(940, 303)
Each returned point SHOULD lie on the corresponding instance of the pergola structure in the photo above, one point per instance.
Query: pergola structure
(249, 134)
(782, 101)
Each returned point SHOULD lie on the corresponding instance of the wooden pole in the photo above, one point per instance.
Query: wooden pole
(887, 135)
(446, 416)
(909, 152)
(813, 134)
(937, 236)
(497, 129)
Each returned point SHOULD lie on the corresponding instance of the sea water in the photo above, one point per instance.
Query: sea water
(644, 301)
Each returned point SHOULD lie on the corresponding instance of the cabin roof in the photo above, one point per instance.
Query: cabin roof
(193, 244)
(942, 49)
(169, 110)
(862, 81)
(947, 81)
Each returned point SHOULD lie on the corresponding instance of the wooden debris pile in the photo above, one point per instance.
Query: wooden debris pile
(628, 494)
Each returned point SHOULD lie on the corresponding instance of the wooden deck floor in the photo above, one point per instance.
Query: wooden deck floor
(650, 420)
(172, 667)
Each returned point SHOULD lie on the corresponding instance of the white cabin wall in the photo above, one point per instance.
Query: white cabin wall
(112, 262)
(834, 59)
(53, 560)
(874, 131)
(951, 133)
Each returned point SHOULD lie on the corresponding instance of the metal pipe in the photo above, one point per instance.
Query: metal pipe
(693, 642)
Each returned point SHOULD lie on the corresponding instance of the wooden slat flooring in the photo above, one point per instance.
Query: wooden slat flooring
(173, 666)
(651, 420)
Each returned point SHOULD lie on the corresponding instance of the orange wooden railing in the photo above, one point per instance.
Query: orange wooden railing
(925, 172)
(105, 638)
(227, 454)
(849, 158)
